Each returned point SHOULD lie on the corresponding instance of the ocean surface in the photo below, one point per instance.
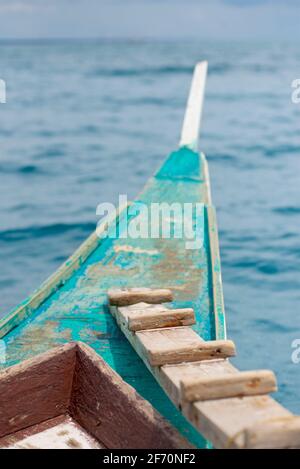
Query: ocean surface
(86, 121)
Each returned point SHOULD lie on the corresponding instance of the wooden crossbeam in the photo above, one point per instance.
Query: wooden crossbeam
(143, 316)
(222, 421)
(233, 422)
(247, 383)
(130, 296)
(180, 344)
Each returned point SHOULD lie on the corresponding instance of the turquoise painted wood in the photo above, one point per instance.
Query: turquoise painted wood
(76, 307)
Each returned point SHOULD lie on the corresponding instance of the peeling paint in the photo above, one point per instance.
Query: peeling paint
(135, 250)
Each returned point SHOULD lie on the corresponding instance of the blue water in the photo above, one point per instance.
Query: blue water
(85, 121)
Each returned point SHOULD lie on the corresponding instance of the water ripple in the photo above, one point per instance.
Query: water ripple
(34, 232)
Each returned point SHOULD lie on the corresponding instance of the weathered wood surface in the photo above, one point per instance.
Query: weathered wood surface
(274, 433)
(113, 412)
(36, 390)
(61, 432)
(180, 344)
(144, 316)
(171, 376)
(130, 296)
(247, 383)
(224, 422)
(74, 380)
(218, 298)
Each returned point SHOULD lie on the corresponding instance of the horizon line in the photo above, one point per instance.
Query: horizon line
(138, 39)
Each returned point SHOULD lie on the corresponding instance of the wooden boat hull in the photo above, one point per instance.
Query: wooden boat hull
(72, 305)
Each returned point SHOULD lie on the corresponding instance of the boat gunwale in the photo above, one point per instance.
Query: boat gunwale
(27, 308)
(52, 284)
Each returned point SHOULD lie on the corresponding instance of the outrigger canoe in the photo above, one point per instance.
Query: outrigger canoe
(72, 305)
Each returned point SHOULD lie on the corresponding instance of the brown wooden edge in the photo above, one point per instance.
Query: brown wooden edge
(73, 379)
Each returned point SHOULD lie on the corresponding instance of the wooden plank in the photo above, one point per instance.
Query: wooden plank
(193, 114)
(206, 177)
(113, 412)
(130, 296)
(247, 383)
(274, 433)
(144, 316)
(172, 375)
(162, 319)
(36, 390)
(222, 421)
(218, 297)
(61, 432)
(180, 344)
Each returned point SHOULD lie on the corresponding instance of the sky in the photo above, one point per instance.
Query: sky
(136, 19)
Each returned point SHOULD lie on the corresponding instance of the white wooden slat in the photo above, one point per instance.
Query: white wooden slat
(193, 114)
